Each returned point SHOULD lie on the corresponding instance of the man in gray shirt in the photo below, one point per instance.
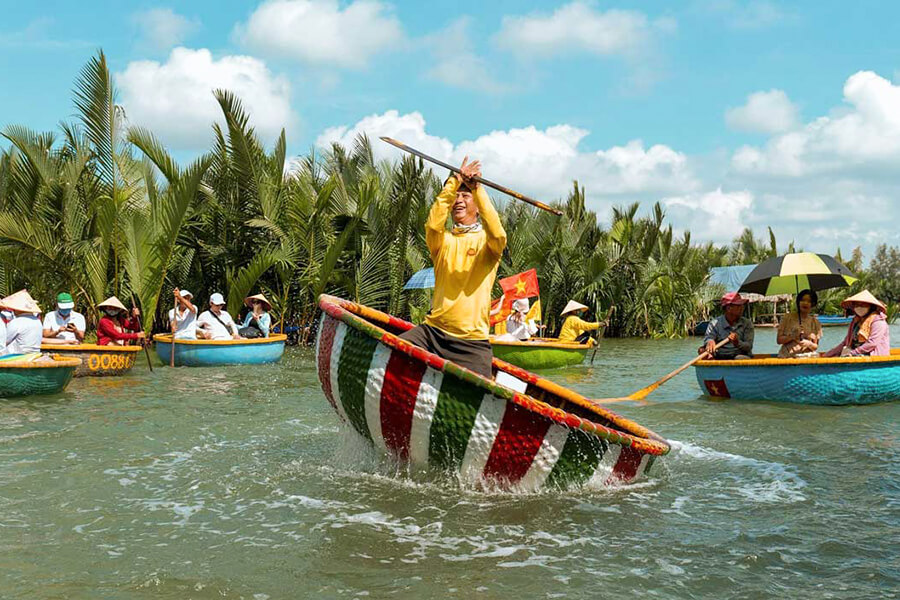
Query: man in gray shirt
(732, 325)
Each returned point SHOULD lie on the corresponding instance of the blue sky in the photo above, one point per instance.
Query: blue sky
(730, 112)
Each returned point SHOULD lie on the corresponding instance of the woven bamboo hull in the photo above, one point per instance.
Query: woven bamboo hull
(19, 378)
(211, 353)
(429, 412)
(824, 381)
(97, 361)
(540, 354)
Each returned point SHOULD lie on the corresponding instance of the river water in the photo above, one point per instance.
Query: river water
(239, 483)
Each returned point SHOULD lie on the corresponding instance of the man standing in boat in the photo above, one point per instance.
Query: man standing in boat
(465, 265)
(732, 325)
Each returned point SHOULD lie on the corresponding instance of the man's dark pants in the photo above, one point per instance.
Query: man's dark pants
(474, 355)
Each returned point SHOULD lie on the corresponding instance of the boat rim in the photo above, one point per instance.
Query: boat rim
(631, 434)
(87, 348)
(166, 338)
(58, 362)
(541, 343)
(772, 360)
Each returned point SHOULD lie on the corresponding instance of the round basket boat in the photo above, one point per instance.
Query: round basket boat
(518, 432)
(540, 353)
(32, 378)
(210, 353)
(829, 381)
(97, 361)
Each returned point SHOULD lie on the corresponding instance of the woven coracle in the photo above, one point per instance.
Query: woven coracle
(32, 378)
(540, 353)
(430, 412)
(825, 381)
(212, 353)
(96, 360)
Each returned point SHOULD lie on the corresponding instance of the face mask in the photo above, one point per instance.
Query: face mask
(861, 310)
(64, 312)
(111, 312)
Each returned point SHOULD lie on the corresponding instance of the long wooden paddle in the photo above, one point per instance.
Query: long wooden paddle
(644, 392)
(174, 324)
(144, 342)
(602, 331)
(490, 184)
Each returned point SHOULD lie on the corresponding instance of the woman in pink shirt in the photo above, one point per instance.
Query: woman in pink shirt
(869, 334)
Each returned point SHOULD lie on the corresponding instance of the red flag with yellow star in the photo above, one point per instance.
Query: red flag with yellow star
(522, 285)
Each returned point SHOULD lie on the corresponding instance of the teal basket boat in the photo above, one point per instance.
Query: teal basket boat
(540, 353)
(32, 378)
(516, 431)
(825, 381)
(211, 353)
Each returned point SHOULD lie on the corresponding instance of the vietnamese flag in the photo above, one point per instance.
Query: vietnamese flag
(522, 285)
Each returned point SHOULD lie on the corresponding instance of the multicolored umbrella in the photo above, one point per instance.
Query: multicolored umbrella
(792, 273)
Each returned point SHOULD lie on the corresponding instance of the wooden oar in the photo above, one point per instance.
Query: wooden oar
(144, 343)
(602, 330)
(174, 321)
(644, 392)
(490, 184)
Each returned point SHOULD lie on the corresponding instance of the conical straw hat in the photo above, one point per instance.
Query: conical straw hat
(573, 306)
(866, 297)
(21, 301)
(112, 302)
(259, 297)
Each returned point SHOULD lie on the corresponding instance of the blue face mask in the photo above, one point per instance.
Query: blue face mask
(64, 312)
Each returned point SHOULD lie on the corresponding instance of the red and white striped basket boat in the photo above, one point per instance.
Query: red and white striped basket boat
(517, 432)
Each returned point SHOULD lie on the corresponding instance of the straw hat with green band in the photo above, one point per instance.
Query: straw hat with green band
(793, 273)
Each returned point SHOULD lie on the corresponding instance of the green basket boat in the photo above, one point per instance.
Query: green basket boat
(31, 378)
(517, 432)
(540, 353)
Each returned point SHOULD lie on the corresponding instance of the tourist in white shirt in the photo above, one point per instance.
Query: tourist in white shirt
(24, 332)
(517, 324)
(184, 320)
(216, 323)
(64, 325)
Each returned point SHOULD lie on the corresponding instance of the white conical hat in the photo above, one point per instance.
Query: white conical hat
(520, 305)
(112, 302)
(573, 306)
(865, 297)
(21, 301)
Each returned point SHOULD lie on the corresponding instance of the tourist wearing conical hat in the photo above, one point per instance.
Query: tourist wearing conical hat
(24, 332)
(868, 334)
(258, 321)
(114, 329)
(64, 325)
(183, 318)
(576, 329)
(465, 259)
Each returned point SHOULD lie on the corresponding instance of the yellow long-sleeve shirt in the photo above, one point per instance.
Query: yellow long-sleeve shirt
(465, 266)
(573, 327)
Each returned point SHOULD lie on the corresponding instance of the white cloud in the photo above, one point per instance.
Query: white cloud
(764, 112)
(456, 65)
(718, 216)
(175, 99)
(320, 32)
(162, 28)
(579, 27)
(541, 162)
(862, 135)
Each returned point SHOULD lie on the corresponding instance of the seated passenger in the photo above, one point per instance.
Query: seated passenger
(800, 331)
(518, 327)
(734, 327)
(24, 332)
(114, 329)
(868, 334)
(64, 325)
(257, 322)
(575, 329)
(216, 323)
(184, 320)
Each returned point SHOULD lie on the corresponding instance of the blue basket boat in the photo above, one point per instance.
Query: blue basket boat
(825, 381)
(834, 320)
(210, 353)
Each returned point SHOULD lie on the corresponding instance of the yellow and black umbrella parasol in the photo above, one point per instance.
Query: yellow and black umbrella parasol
(792, 273)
